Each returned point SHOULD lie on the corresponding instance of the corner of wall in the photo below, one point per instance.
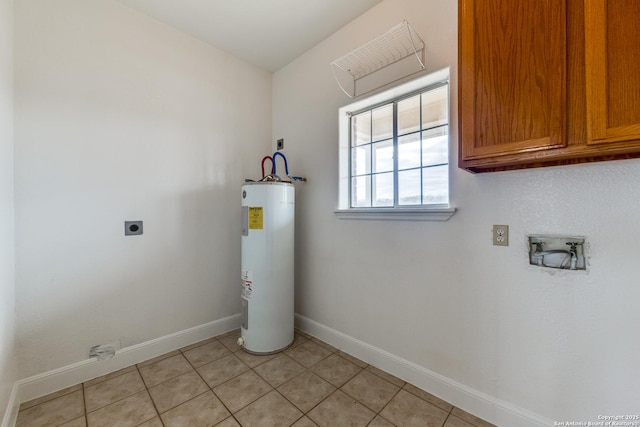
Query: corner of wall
(8, 370)
(11, 413)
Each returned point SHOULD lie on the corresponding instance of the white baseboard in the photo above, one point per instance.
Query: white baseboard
(11, 414)
(67, 376)
(496, 411)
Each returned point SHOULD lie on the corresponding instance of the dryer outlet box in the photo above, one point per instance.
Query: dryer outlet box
(132, 228)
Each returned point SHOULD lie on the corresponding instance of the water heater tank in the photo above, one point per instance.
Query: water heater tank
(267, 266)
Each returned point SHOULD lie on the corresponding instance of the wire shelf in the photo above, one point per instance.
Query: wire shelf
(390, 47)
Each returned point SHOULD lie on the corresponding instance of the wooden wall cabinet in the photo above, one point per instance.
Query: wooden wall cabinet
(547, 82)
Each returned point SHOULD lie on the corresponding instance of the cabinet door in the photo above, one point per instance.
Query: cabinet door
(512, 71)
(613, 73)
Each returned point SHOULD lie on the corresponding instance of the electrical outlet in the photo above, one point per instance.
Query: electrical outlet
(280, 143)
(501, 235)
(132, 228)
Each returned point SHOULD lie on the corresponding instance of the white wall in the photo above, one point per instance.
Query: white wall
(7, 287)
(119, 117)
(563, 345)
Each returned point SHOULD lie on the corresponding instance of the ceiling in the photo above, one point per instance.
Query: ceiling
(267, 33)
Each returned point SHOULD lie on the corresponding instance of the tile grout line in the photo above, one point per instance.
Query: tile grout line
(448, 416)
(86, 411)
(150, 398)
(288, 400)
(379, 413)
(309, 368)
(84, 406)
(205, 381)
(211, 388)
(306, 369)
(232, 415)
(334, 351)
(236, 376)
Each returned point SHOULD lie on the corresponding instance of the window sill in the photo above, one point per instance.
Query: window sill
(398, 214)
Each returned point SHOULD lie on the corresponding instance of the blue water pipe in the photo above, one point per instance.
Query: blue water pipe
(286, 166)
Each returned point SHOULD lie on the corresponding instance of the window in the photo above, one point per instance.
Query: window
(394, 152)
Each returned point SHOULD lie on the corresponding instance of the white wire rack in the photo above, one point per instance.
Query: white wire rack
(388, 48)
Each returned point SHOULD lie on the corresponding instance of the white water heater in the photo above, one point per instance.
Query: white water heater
(267, 266)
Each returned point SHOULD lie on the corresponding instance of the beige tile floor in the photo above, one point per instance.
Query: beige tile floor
(215, 383)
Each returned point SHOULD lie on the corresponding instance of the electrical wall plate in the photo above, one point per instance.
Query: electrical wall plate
(562, 252)
(501, 235)
(132, 228)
